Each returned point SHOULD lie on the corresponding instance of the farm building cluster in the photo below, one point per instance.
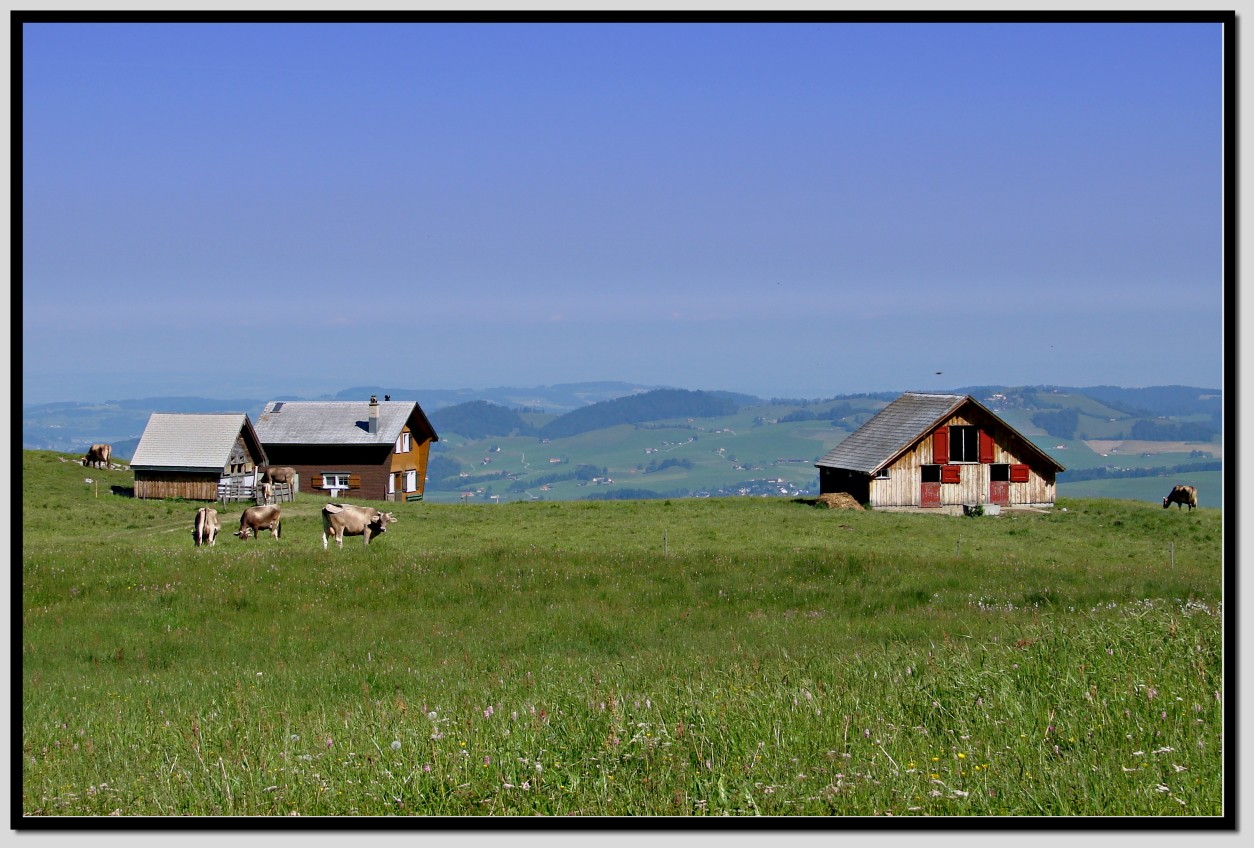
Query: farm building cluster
(922, 451)
(376, 451)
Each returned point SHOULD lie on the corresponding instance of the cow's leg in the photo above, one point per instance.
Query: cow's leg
(324, 539)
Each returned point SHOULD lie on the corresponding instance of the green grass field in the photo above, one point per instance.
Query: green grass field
(697, 657)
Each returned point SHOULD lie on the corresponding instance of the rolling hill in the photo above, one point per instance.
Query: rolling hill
(631, 441)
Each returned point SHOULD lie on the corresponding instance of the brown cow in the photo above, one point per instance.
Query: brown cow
(98, 456)
(340, 520)
(281, 474)
(205, 531)
(258, 518)
(1180, 496)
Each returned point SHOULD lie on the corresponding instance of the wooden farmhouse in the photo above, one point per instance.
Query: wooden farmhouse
(193, 455)
(939, 451)
(351, 449)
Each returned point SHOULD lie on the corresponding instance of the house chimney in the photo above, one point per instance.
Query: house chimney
(373, 421)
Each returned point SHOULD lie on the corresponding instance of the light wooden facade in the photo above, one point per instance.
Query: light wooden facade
(939, 451)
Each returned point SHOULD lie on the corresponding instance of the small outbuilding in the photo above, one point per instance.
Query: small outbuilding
(939, 451)
(196, 455)
(340, 449)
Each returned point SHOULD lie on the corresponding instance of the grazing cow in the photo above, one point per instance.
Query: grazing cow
(267, 493)
(207, 526)
(258, 518)
(340, 520)
(1181, 495)
(283, 474)
(98, 456)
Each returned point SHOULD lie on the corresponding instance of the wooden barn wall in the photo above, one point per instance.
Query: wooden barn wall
(175, 484)
(904, 483)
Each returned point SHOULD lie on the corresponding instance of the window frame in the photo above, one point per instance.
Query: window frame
(964, 444)
(328, 483)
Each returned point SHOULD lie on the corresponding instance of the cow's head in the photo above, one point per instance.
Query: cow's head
(382, 520)
(244, 532)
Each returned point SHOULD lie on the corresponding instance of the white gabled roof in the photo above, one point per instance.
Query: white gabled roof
(192, 441)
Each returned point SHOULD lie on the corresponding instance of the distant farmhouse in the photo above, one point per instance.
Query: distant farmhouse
(191, 455)
(351, 449)
(939, 451)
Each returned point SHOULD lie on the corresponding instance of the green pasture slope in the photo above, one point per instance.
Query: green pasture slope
(740, 656)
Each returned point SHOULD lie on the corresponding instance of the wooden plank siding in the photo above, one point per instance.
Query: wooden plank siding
(904, 483)
(174, 484)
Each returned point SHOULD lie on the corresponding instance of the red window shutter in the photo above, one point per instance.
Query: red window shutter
(940, 446)
(988, 448)
(951, 473)
(1018, 474)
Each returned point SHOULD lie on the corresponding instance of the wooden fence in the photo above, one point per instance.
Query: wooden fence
(238, 489)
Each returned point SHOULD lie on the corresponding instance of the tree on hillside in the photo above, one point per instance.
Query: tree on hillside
(635, 409)
(480, 419)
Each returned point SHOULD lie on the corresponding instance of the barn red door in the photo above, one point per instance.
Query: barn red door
(999, 492)
(930, 494)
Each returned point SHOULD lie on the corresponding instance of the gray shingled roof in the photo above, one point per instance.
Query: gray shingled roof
(190, 441)
(890, 431)
(898, 426)
(331, 422)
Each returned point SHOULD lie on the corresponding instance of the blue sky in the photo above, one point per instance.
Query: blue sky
(796, 210)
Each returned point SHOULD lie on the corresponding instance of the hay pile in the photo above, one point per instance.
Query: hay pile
(838, 500)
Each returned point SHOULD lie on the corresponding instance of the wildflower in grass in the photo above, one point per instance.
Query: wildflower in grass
(426, 767)
(295, 738)
(488, 712)
(432, 715)
(1151, 693)
(487, 761)
(526, 784)
(330, 741)
(396, 744)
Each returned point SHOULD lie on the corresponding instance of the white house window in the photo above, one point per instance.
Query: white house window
(335, 482)
(404, 444)
(411, 481)
(882, 474)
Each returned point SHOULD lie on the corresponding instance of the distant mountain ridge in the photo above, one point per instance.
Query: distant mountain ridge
(574, 408)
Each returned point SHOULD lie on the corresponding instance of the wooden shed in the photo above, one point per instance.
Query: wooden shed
(938, 451)
(345, 449)
(193, 455)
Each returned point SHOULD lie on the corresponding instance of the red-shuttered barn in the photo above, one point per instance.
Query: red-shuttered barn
(939, 451)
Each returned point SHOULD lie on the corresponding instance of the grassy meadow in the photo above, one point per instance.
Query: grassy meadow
(698, 657)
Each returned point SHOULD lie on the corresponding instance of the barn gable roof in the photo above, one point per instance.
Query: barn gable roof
(900, 425)
(194, 441)
(339, 422)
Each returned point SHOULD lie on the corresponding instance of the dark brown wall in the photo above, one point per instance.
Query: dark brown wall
(370, 466)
